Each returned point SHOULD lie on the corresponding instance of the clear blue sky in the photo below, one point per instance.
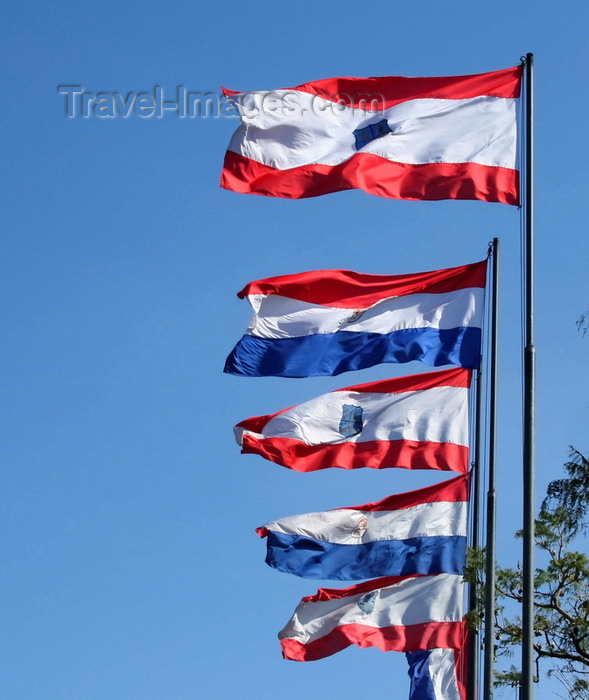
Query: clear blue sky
(130, 567)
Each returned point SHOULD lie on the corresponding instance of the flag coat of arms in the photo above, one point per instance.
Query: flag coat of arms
(414, 422)
(394, 613)
(407, 138)
(326, 322)
(419, 532)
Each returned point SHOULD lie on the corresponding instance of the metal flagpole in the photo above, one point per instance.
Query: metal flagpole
(489, 655)
(528, 408)
(473, 649)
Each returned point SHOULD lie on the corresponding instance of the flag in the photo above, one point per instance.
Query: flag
(414, 422)
(406, 138)
(395, 613)
(327, 322)
(420, 532)
(437, 674)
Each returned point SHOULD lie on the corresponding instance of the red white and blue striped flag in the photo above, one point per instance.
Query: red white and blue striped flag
(395, 613)
(419, 532)
(414, 422)
(437, 674)
(327, 322)
(406, 138)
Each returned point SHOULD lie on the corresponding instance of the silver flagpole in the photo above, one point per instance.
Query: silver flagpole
(489, 656)
(528, 409)
(473, 652)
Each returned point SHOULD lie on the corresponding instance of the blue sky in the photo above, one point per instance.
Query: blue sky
(131, 569)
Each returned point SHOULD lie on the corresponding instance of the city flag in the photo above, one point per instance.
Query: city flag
(406, 138)
(437, 674)
(327, 322)
(420, 532)
(394, 613)
(414, 422)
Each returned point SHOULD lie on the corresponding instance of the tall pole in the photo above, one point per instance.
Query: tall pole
(528, 412)
(473, 651)
(489, 655)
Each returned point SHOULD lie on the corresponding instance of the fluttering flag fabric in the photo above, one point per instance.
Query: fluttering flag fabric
(407, 138)
(419, 532)
(326, 322)
(394, 613)
(414, 422)
(437, 674)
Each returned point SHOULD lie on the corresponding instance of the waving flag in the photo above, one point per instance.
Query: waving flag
(405, 138)
(327, 322)
(414, 422)
(420, 532)
(437, 674)
(394, 613)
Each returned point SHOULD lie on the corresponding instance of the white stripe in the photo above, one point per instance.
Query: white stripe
(281, 317)
(286, 129)
(352, 527)
(442, 671)
(439, 414)
(410, 602)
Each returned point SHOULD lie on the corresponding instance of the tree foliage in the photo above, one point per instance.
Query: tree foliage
(561, 619)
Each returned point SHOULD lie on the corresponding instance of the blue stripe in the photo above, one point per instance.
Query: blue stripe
(334, 353)
(310, 558)
(421, 683)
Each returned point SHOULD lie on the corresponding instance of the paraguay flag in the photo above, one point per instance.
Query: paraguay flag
(327, 322)
(420, 532)
(438, 674)
(395, 613)
(406, 138)
(415, 422)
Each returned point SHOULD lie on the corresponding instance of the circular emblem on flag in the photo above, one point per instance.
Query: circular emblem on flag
(360, 528)
(356, 315)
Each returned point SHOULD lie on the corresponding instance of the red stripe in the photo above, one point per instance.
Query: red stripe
(429, 635)
(374, 175)
(395, 89)
(324, 594)
(451, 491)
(457, 377)
(379, 454)
(347, 289)
(461, 665)
(256, 424)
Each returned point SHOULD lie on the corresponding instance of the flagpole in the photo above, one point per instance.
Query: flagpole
(527, 678)
(489, 654)
(473, 651)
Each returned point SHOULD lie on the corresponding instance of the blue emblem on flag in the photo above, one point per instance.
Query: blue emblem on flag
(367, 602)
(371, 133)
(351, 421)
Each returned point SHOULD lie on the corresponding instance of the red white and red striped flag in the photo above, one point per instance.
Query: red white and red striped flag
(415, 422)
(396, 613)
(406, 138)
